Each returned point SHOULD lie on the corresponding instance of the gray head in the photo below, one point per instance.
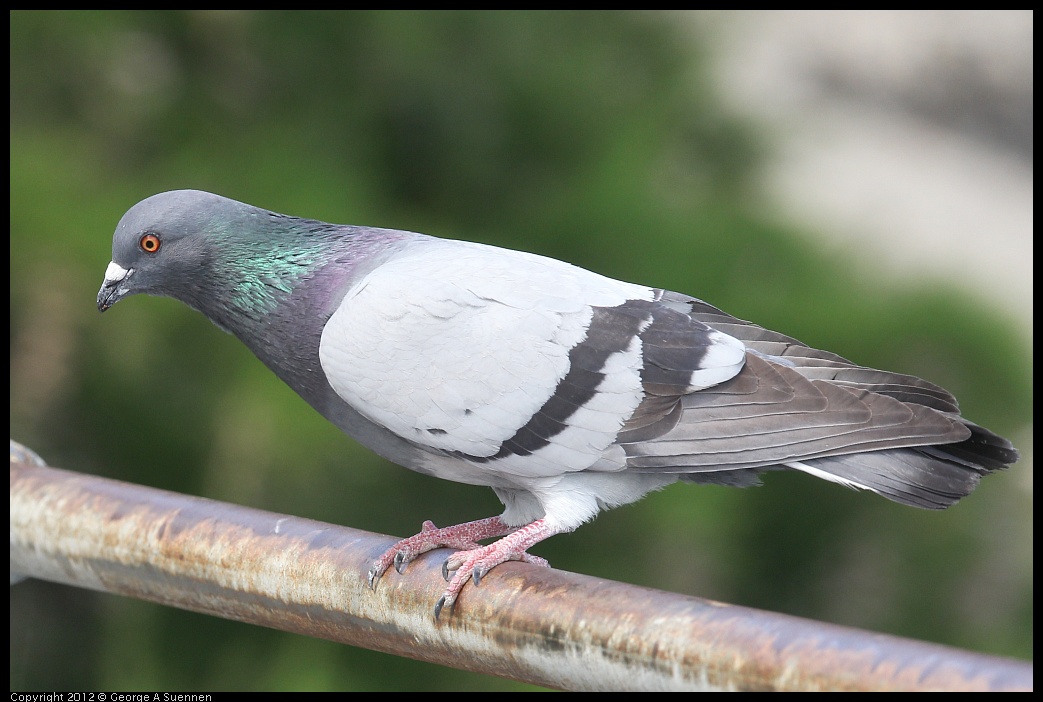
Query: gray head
(236, 263)
(272, 280)
(165, 242)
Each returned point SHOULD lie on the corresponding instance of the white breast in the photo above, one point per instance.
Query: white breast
(455, 346)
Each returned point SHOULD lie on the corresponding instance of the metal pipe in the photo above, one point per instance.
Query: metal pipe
(538, 625)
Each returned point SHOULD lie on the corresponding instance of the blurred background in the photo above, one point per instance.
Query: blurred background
(861, 181)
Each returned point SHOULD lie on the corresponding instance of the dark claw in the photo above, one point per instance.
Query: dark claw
(476, 576)
(372, 578)
(400, 562)
(439, 605)
(445, 570)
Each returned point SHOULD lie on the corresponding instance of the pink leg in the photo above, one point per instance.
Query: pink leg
(476, 562)
(461, 536)
(473, 560)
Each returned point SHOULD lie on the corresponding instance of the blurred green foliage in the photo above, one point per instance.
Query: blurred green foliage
(592, 137)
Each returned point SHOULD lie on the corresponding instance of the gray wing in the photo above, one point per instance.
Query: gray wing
(793, 406)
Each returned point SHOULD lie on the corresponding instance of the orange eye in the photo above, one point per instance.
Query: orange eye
(149, 243)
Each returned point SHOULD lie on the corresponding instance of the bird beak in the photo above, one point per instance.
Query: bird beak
(114, 287)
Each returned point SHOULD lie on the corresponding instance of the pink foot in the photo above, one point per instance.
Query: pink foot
(473, 560)
(473, 564)
(461, 536)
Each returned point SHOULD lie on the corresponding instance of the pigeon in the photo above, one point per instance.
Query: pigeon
(563, 390)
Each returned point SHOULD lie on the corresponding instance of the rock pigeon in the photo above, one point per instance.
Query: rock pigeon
(565, 391)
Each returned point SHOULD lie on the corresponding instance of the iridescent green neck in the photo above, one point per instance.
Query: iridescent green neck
(257, 272)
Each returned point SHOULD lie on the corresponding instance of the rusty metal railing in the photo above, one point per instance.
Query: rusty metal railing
(538, 625)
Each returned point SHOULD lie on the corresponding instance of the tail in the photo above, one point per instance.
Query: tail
(930, 477)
